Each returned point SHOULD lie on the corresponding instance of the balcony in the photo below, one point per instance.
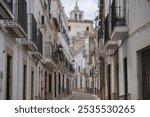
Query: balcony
(37, 54)
(6, 10)
(109, 44)
(120, 32)
(18, 27)
(48, 55)
(31, 44)
(118, 24)
(35, 50)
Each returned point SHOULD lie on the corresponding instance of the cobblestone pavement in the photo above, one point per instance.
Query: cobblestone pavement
(82, 96)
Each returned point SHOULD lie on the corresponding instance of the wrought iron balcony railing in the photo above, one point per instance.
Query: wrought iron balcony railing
(32, 43)
(48, 49)
(18, 26)
(118, 15)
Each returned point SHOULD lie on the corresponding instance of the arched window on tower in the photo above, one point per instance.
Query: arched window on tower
(75, 16)
(80, 16)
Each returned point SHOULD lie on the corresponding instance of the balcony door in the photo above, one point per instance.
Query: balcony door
(125, 78)
(32, 84)
(145, 62)
(67, 86)
(109, 82)
(9, 78)
(55, 84)
(24, 81)
(45, 85)
(59, 83)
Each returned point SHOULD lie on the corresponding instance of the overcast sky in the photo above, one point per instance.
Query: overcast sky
(88, 6)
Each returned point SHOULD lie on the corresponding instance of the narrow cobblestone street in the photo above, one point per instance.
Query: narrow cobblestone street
(82, 96)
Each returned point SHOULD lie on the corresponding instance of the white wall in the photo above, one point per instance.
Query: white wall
(122, 54)
(79, 27)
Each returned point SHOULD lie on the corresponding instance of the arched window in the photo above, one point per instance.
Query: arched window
(75, 16)
(80, 16)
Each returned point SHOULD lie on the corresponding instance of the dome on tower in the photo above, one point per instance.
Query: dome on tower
(76, 13)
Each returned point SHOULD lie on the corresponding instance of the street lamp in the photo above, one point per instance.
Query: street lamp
(60, 52)
(73, 62)
(60, 48)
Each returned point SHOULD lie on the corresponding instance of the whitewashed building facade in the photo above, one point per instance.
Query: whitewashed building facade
(31, 50)
(124, 48)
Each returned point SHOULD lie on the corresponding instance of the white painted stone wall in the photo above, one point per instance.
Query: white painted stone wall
(138, 18)
(78, 27)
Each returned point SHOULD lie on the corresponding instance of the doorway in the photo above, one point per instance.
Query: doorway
(9, 78)
(145, 73)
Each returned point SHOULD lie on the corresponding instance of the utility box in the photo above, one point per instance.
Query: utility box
(1, 77)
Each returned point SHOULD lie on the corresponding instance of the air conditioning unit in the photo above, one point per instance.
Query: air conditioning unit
(1, 77)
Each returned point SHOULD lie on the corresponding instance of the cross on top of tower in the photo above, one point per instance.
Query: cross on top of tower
(76, 2)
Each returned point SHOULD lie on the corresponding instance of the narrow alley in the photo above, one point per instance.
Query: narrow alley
(82, 96)
(56, 49)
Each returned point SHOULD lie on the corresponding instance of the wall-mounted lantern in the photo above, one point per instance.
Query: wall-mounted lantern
(60, 48)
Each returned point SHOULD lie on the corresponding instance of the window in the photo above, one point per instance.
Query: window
(145, 73)
(125, 78)
(50, 83)
(67, 85)
(80, 16)
(45, 85)
(9, 78)
(81, 82)
(63, 83)
(78, 34)
(24, 81)
(55, 83)
(59, 83)
(75, 16)
(69, 27)
(109, 81)
(79, 68)
(42, 19)
(32, 85)
(87, 28)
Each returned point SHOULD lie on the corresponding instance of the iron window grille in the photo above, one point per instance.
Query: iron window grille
(48, 52)
(22, 14)
(117, 19)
